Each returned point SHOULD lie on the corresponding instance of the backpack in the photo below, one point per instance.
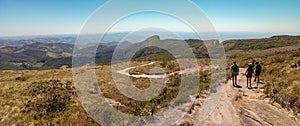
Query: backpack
(252, 65)
(258, 68)
(235, 68)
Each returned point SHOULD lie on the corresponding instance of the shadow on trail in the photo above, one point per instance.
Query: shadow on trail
(237, 86)
(253, 88)
(260, 83)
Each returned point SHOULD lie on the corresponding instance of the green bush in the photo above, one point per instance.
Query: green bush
(21, 79)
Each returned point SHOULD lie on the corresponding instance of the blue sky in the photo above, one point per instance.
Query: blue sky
(33, 17)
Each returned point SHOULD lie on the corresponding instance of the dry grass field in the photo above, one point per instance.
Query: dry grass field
(15, 100)
(24, 92)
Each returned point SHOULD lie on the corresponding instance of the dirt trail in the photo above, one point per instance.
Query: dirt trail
(243, 107)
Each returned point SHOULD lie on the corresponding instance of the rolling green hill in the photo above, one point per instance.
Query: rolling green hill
(260, 44)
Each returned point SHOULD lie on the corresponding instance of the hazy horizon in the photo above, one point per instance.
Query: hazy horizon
(140, 36)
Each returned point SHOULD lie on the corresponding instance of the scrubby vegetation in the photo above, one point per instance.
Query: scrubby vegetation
(40, 100)
(21, 79)
(259, 44)
(48, 98)
(159, 101)
(282, 83)
(50, 101)
(140, 108)
(37, 99)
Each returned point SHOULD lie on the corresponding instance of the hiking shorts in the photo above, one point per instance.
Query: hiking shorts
(234, 75)
(249, 75)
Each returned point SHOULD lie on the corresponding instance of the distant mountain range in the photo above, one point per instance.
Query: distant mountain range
(18, 41)
(21, 42)
(49, 53)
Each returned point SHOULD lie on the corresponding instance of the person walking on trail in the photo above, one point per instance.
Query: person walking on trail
(252, 64)
(249, 74)
(258, 69)
(234, 72)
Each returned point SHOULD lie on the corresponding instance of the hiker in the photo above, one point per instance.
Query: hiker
(248, 74)
(258, 69)
(234, 72)
(252, 64)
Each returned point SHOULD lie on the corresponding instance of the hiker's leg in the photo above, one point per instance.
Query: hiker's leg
(232, 80)
(257, 78)
(247, 81)
(235, 79)
(250, 79)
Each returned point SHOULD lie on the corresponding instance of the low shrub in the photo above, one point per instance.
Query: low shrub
(48, 98)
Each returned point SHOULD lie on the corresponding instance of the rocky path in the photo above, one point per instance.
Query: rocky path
(254, 110)
(243, 107)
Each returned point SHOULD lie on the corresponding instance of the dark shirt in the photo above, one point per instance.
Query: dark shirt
(258, 68)
(249, 72)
